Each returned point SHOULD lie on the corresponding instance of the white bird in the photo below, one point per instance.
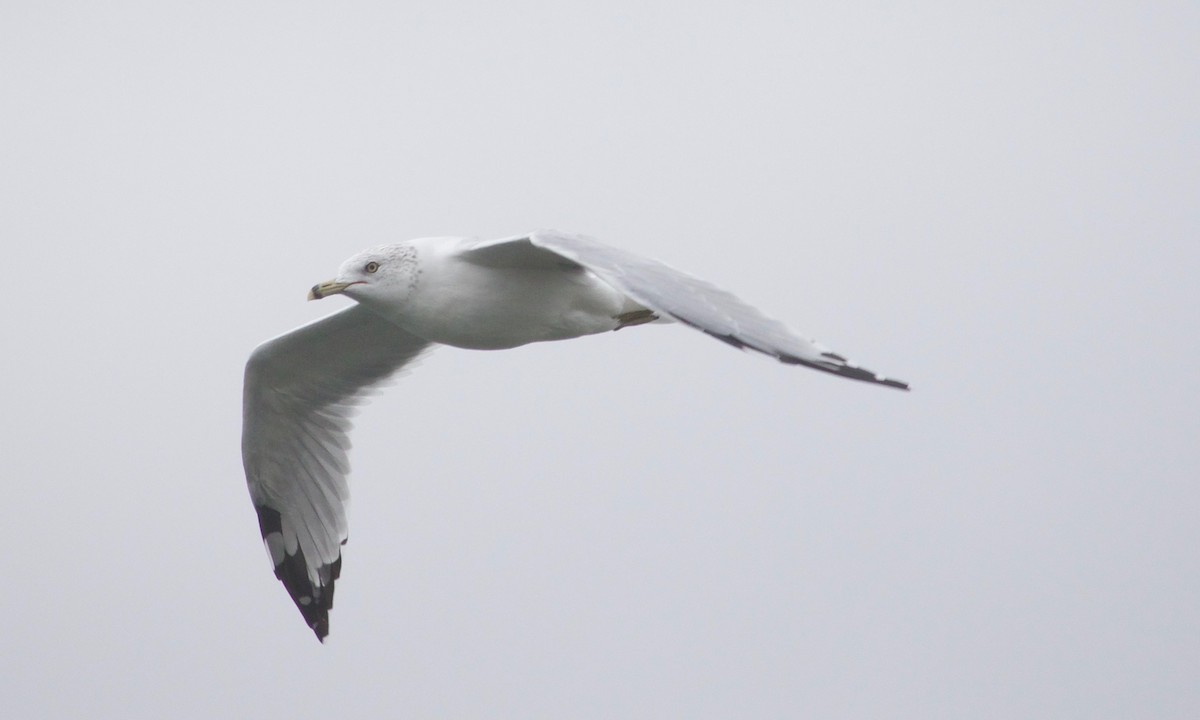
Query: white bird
(301, 388)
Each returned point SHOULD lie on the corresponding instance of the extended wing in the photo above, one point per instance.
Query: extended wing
(300, 392)
(675, 294)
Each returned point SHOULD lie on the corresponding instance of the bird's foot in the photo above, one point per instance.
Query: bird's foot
(634, 317)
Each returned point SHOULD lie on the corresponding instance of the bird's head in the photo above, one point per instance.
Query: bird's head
(382, 274)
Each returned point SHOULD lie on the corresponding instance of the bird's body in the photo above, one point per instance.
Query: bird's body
(301, 387)
(479, 302)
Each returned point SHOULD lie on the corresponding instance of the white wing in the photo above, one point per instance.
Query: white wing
(675, 294)
(300, 391)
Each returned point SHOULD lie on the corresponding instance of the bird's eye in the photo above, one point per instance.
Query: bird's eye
(372, 266)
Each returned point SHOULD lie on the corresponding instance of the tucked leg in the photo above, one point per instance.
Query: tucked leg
(634, 317)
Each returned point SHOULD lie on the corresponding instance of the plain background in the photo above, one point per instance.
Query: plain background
(994, 201)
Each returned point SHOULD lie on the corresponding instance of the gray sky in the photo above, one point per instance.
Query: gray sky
(996, 203)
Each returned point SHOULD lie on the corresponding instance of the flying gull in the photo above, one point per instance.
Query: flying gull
(301, 388)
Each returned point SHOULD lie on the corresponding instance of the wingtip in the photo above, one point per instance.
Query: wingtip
(321, 630)
(313, 597)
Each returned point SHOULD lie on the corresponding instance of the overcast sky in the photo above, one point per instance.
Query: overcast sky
(996, 202)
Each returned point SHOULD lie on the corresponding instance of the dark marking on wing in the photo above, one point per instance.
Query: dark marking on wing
(313, 601)
(727, 339)
(847, 371)
(269, 520)
(837, 365)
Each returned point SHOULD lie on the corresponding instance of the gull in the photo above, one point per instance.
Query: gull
(302, 388)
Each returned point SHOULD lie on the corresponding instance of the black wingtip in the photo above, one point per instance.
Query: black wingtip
(314, 601)
(839, 366)
(833, 363)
